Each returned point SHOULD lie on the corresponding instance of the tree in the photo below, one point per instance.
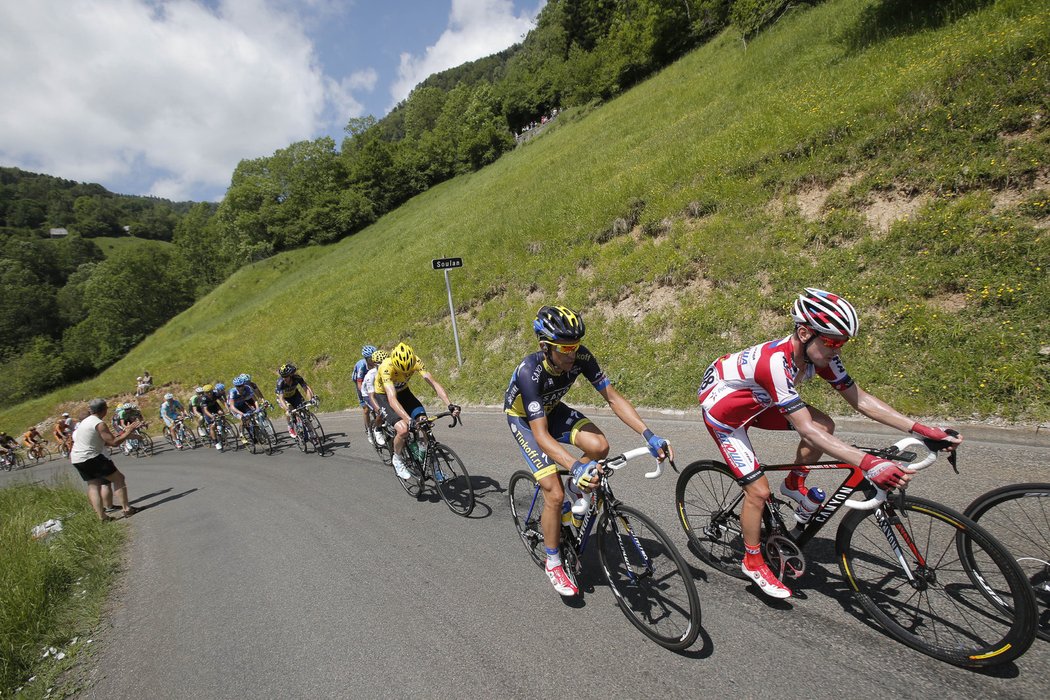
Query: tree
(27, 306)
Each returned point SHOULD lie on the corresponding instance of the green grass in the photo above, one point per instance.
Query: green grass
(110, 245)
(51, 590)
(716, 158)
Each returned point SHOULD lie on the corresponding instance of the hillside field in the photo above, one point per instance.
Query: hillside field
(902, 164)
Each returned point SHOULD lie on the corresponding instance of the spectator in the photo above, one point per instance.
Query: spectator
(90, 439)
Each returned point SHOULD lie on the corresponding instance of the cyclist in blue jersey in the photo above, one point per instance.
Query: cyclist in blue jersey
(542, 424)
(363, 366)
(170, 411)
(242, 400)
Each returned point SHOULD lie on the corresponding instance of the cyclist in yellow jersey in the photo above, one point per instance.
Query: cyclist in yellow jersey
(398, 404)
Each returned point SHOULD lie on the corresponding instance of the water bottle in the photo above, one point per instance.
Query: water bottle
(416, 450)
(566, 512)
(581, 503)
(814, 497)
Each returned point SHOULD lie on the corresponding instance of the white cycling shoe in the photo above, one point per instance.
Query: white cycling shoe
(400, 469)
(766, 581)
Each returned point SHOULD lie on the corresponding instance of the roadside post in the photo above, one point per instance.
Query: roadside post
(446, 264)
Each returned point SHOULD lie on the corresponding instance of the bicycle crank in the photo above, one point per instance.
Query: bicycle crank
(784, 557)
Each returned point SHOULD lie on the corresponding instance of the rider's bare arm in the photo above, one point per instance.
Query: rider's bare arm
(808, 429)
(436, 385)
(878, 410)
(626, 412)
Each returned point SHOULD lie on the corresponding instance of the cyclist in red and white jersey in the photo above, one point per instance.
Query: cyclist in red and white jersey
(758, 387)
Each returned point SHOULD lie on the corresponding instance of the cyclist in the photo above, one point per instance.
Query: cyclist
(213, 407)
(398, 403)
(368, 388)
(170, 411)
(63, 432)
(758, 387)
(363, 366)
(126, 414)
(196, 404)
(288, 395)
(32, 440)
(541, 423)
(242, 401)
(8, 445)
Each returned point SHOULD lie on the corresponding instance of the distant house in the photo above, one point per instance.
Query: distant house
(59, 233)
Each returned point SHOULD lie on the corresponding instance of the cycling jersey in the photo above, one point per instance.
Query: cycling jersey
(368, 384)
(738, 387)
(213, 401)
(171, 409)
(536, 388)
(386, 373)
(288, 387)
(30, 436)
(738, 391)
(241, 397)
(197, 403)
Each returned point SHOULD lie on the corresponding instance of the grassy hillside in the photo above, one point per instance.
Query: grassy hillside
(903, 167)
(110, 245)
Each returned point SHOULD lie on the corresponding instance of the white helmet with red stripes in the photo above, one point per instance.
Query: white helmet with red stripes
(825, 313)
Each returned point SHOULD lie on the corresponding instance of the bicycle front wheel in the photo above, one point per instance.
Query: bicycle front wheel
(652, 582)
(453, 481)
(316, 434)
(1019, 517)
(146, 446)
(908, 573)
(708, 501)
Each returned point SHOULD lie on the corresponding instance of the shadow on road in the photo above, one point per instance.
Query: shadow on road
(173, 497)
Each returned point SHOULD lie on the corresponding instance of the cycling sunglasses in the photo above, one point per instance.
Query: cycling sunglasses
(565, 349)
(833, 343)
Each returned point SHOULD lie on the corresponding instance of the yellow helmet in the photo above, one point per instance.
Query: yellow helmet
(402, 357)
(378, 356)
(208, 388)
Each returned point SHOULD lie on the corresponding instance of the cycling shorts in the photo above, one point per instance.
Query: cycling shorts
(562, 422)
(168, 421)
(735, 446)
(295, 400)
(408, 401)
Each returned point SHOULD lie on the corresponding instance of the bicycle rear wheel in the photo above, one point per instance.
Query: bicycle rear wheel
(385, 450)
(708, 501)
(317, 436)
(943, 611)
(413, 485)
(1019, 517)
(652, 582)
(453, 481)
(146, 446)
(526, 507)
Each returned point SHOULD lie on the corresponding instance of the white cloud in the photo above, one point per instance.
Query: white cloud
(476, 28)
(169, 91)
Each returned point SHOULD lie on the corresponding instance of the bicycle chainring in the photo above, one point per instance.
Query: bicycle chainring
(784, 557)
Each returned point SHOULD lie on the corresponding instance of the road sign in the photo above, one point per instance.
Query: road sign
(446, 263)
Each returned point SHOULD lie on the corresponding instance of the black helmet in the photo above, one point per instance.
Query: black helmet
(558, 324)
(287, 369)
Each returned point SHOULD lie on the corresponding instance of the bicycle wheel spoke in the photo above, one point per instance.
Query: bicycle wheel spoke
(526, 507)
(709, 501)
(947, 609)
(453, 481)
(653, 586)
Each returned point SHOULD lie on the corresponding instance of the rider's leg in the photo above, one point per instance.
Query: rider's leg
(591, 440)
(550, 519)
(808, 453)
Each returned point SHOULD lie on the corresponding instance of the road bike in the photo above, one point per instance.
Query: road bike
(226, 433)
(932, 578)
(13, 460)
(426, 459)
(308, 430)
(39, 452)
(183, 435)
(65, 446)
(254, 431)
(140, 443)
(648, 575)
(1018, 516)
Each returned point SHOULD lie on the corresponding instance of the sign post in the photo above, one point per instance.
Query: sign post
(445, 264)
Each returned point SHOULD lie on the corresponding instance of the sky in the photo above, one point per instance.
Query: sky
(166, 97)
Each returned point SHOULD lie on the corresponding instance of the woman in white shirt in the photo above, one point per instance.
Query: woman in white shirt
(90, 440)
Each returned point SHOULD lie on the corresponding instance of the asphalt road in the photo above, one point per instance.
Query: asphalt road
(294, 575)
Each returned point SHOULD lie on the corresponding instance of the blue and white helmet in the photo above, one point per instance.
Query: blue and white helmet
(366, 351)
(220, 387)
(239, 380)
